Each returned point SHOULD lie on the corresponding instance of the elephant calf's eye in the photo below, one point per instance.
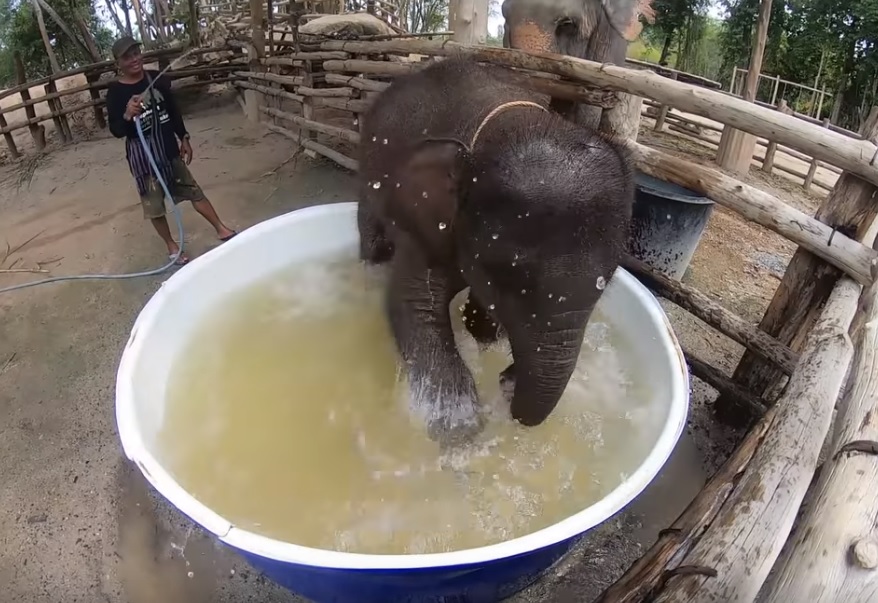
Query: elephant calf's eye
(566, 26)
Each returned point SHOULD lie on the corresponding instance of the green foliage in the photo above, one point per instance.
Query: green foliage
(19, 31)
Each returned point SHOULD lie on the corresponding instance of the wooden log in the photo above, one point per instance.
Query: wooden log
(360, 83)
(721, 383)
(37, 132)
(832, 554)
(326, 92)
(284, 80)
(270, 91)
(808, 281)
(663, 113)
(197, 83)
(308, 56)
(352, 105)
(342, 160)
(10, 141)
(95, 95)
(60, 121)
(713, 313)
(281, 62)
(852, 155)
(315, 126)
(372, 67)
(661, 561)
(623, 120)
(28, 123)
(846, 254)
(738, 550)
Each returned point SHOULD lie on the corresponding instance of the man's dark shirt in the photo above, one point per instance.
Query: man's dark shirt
(160, 121)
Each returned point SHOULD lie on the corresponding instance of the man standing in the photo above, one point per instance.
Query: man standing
(141, 92)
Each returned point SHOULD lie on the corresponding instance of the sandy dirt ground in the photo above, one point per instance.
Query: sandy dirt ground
(78, 524)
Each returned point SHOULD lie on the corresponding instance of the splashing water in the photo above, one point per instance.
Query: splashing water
(288, 414)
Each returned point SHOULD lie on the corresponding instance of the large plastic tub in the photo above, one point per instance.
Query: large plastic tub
(667, 222)
(479, 575)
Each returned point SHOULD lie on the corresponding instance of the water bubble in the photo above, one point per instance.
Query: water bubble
(491, 307)
(495, 236)
(442, 226)
(601, 283)
(191, 574)
(376, 185)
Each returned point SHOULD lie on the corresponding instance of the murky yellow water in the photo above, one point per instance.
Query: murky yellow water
(286, 415)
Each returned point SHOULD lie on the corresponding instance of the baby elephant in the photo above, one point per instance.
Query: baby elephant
(468, 180)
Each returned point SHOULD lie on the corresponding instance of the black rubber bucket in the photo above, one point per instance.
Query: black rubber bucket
(667, 223)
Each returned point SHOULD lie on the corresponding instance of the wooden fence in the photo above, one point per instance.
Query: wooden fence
(209, 66)
(723, 546)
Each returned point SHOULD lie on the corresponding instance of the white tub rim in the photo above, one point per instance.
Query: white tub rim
(250, 542)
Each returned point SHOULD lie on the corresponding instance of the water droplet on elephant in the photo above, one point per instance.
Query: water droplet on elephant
(461, 308)
(533, 315)
(475, 179)
(495, 236)
(561, 298)
(191, 574)
(515, 256)
(397, 185)
(523, 291)
(494, 324)
(539, 348)
(424, 131)
(669, 216)
(489, 282)
(356, 122)
(548, 323)
(424, 194)
(384, 141)
(601, 283)
(442, 226)
(513, 263)
(526, 214)
(376, 185)
(385, 175)
(542, 181)
(477, 256)
(491, 307)
(374, 138)
(550, 296)
(519, 216)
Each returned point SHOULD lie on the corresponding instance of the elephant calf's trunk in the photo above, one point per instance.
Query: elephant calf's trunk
(542, 378)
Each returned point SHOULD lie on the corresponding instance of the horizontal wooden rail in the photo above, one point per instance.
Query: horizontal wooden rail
(314, 126)
(855, 156)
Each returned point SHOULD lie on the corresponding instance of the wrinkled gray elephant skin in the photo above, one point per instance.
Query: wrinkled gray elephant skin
(468, 180)
(597, 30)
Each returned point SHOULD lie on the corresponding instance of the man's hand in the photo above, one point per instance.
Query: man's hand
(186, 151)
(134, 107)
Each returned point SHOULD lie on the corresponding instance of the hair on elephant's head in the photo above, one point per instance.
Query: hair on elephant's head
(534, 218)
(598, 30)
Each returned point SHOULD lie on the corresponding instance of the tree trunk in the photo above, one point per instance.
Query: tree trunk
(666, 48)
(194, 37)
(126, 8)
(115, 16)
(41, 23)
(90, 43)
(138, 14)
(63, 25)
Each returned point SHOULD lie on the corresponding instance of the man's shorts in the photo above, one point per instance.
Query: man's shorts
(183, 188)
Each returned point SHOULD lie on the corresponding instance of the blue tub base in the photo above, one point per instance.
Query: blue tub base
(484, 583)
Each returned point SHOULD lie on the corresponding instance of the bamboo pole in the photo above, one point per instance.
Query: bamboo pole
(315, 126)
(852, 155)
(270, 91)
(317, 148)
(41, 24)
(37, 132)
(833, 555)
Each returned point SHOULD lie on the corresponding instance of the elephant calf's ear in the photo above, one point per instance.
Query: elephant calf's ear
(427, 192)
(624, 15)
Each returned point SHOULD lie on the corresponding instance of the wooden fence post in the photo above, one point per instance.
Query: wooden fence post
(806, 285)
(60, 121)
(37, 131)
(10, 141)
(92, 79)
(255, 52)
(771, 149)
(663, 112)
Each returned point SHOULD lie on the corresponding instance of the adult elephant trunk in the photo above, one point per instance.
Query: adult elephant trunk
(544, 362)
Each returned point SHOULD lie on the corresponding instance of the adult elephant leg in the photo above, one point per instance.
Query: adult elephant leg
(375, 246)
(442, 389)
(479, 322)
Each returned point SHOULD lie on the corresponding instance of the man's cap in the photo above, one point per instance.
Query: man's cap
(123, 45)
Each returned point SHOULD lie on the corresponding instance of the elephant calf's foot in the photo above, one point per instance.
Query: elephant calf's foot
(507, 382)
(451, 413)
(480, 324)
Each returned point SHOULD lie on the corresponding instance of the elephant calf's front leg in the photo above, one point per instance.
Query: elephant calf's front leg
(442, 388)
